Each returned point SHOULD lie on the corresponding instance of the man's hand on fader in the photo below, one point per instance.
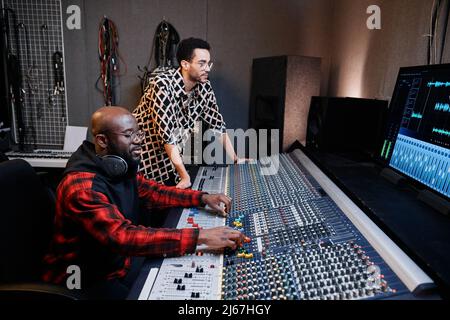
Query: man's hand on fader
(220, 203)
(220, 237)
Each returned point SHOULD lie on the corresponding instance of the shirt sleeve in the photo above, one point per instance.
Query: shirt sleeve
(164, 117)
(211, 114)
(106, 224)
(156, 195)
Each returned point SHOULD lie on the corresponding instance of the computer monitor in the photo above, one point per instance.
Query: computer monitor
(417, 139)
(346, 125)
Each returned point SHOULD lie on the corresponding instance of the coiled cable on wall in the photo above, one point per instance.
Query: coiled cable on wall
(109, 56)
(14, 70)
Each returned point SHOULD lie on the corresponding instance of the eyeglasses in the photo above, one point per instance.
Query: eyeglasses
(132, 135)
(204, 65)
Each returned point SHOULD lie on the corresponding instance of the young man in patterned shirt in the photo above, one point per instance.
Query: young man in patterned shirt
(173, 102)
(99, 206)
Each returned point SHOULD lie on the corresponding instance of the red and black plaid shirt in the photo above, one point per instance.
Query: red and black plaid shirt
(82, 212)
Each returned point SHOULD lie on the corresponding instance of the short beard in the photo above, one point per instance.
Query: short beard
(196, 80)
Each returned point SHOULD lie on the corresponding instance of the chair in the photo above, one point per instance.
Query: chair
(26, 214)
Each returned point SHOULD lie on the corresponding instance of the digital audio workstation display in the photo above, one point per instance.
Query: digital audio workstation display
(418, 134)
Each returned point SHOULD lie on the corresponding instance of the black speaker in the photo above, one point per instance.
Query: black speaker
(281, 93)
(346, 124)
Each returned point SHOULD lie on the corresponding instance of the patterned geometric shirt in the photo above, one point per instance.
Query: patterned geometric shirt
(168, 115)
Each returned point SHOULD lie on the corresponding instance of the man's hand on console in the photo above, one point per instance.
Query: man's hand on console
(220, 238)
(219, 203)
(184, 183)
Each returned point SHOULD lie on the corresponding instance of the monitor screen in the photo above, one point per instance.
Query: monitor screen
(417, 141)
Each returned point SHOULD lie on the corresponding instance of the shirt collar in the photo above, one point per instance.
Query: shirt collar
(182, 93)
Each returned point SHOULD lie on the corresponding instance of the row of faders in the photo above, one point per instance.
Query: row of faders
(302, 245)
(325, 272)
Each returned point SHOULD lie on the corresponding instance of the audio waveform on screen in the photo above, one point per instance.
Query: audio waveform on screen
(439, 84)
(441, 132)
(417, 115)
(445, 107)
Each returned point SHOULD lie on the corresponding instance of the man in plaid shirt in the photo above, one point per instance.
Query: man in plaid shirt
(98, 211)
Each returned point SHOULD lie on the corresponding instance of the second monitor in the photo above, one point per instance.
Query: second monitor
(346, 124)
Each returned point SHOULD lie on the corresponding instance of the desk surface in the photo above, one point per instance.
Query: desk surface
(422, 232)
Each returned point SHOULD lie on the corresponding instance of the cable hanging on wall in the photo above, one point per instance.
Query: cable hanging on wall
(46, 42)
(440, 13)
(31, 82)
(164, 48)
(444, 36)
(108, 53)
(14, 73)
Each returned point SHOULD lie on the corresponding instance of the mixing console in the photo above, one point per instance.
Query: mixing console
(300, 244)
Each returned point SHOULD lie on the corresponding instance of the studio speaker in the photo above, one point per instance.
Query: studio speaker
(281, 93)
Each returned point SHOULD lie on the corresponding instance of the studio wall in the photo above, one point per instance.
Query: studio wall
(365, 62)
(356, 61)
(238, 31)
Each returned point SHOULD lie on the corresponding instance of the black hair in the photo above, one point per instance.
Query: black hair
(186, 48)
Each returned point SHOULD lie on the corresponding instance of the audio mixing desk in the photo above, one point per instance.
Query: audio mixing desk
(307, 241)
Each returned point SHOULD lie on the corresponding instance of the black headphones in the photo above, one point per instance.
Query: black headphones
(115, 166)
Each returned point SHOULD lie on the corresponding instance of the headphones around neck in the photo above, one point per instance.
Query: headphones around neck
(115, 166)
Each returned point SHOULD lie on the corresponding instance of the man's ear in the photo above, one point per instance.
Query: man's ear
(101, 140)
(184, 64)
